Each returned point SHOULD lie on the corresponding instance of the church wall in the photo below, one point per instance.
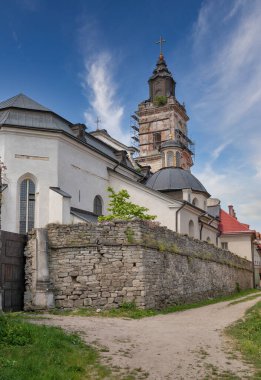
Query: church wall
(104, 265)
(82, 174)
(31, 156)
(157, 203)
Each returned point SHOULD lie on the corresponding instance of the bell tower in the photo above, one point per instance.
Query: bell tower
(162, 123)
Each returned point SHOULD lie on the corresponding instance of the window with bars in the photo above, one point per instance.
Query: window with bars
(27, 205)
(97, 205)
(170, 159)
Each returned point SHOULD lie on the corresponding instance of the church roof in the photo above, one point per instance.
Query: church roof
(229, 224)
(22, 111)
(172, 178)
(24, 102)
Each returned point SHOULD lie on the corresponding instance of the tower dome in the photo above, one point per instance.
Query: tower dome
(173, 178)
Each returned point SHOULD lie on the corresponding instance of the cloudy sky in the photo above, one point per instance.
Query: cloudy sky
(86, 59)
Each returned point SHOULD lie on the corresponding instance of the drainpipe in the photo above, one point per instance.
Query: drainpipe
(178, 210)
(201, 224)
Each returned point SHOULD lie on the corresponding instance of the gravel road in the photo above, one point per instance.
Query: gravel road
(185, 345)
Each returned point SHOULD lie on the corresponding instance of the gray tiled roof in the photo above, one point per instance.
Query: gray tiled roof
(169, 179)
(21, 111)
(22, 101)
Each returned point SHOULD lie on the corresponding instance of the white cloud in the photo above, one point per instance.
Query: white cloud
(101, 91)
(228, 73)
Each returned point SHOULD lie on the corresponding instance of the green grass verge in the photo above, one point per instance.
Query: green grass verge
(35, 352)
(245, 299)
(247, 335)
(129, 310)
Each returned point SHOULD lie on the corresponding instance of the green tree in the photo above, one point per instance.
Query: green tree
(121, 208)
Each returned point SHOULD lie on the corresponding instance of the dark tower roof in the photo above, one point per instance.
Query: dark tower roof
(161, 69)
(172, 178)
(161, 82)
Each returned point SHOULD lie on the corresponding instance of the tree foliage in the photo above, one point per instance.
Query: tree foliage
(121, 208)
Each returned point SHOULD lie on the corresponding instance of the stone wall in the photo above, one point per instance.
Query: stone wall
(104, 265)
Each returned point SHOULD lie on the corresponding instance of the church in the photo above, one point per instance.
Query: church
(57, 172)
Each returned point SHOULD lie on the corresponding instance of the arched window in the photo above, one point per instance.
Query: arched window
(195, 202)
(208, 240)
(178, 157)
(97, 205)
(191, 228)
(170, 158)
(27, 205)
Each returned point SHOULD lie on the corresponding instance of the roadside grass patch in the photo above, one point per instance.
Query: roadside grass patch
(247, 336)
(130, 310)
(244, 299)
(35, 352)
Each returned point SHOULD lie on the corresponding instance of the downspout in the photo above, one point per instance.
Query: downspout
(201, 224)
(178, 210)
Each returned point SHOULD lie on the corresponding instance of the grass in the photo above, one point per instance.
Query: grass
(247, 335)
(244, 299)
(130, 310)
(35, 352)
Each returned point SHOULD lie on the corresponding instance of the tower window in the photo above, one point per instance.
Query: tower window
(156, 140)
(27, 205)
(170, 159)
(97, 205)
(178, 157)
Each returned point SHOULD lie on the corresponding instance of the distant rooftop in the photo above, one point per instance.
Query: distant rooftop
(230, 224)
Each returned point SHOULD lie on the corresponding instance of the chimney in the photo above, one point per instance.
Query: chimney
(79, 130)
(231, 211)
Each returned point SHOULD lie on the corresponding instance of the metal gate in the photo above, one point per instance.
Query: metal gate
(11, 271)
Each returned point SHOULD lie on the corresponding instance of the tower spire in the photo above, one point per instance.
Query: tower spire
(160, 42)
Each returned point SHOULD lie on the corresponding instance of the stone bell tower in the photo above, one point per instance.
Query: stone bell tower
(162, 123)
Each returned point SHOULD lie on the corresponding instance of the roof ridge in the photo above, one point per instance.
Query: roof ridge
(23, 101)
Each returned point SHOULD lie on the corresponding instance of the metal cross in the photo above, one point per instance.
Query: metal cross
(160, 42)
(97, 122)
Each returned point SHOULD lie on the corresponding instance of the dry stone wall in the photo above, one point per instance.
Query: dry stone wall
(104, 265)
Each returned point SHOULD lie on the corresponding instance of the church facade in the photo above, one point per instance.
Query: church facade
(57, 172)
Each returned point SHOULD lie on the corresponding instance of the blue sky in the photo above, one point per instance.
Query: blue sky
(85, 59)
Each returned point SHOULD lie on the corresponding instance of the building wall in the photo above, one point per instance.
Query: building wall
(158, 204)
(241, 245)
(104, 265)
(28, 155)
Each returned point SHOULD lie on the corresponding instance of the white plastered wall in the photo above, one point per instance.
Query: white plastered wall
(33, 156)
(157, 203)
(240, 244)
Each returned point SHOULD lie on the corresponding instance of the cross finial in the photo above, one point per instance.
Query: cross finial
(160, 42)
(97, 122)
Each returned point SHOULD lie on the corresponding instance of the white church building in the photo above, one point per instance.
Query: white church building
(57, 172)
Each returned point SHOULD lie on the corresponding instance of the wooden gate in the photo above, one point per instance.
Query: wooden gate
(11, 271)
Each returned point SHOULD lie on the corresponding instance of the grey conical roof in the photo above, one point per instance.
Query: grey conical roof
(24, 102)
(172, 178)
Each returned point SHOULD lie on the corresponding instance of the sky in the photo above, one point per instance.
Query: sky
(86, 59)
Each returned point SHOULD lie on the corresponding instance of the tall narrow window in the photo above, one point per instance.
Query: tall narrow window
(178, 157)
(97, 205)
(170, 159)
(156, 140)
(27, 205)
(191, 228)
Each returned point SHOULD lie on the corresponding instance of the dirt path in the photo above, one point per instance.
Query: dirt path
(183, 345)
